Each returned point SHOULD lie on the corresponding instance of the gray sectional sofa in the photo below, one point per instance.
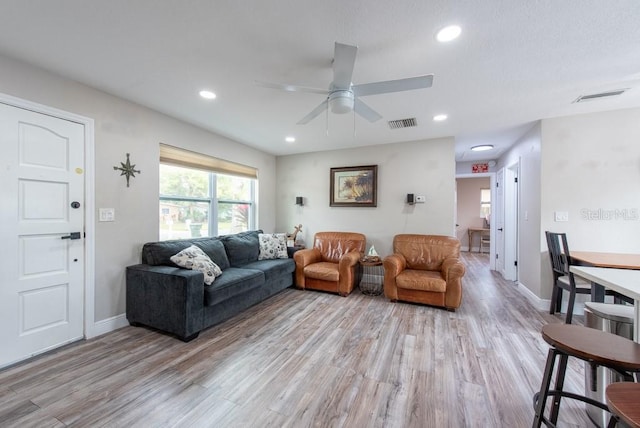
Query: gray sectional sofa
(166, 297)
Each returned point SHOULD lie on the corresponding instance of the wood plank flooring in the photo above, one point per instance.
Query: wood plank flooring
(306, 358)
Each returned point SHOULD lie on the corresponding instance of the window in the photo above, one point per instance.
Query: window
(201, 201)
(485, 203)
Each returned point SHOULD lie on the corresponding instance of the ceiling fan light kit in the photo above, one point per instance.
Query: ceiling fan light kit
(343, 96)
(341, 102)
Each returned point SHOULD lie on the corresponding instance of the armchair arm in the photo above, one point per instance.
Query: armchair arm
(347, 272)
(167, 298)
(452, 272)
(304, 258)
(393, 265)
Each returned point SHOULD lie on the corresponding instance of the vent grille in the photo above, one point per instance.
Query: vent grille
(592, 97)
(403, 123)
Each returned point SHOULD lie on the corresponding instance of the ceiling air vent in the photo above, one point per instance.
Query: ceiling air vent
(592, 97)
(403, 123)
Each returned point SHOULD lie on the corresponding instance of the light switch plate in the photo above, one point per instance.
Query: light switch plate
(107, 214)
(562, 216)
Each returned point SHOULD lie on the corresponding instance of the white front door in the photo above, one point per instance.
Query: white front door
(41, 233)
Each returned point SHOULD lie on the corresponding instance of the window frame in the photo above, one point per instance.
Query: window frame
(212, 198)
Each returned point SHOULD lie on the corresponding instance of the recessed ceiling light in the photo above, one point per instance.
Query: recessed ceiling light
(448, 33)
(207, 95)
(482, 147)
(290, 139)
(440, 117)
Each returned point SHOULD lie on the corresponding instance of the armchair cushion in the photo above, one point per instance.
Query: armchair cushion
(421, 280)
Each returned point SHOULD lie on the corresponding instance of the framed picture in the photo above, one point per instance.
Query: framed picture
(354, 186)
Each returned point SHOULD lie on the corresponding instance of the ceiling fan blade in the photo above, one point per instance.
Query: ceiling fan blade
(344, 59)
(291, 88)
(388, 86)
(365, 111)
(314, 113)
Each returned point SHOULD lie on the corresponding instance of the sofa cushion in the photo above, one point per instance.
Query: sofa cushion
(421, 280)
(242, 248)
(273, 268)
(195, 259)
(215, 250)
(160, 253)
(272, 246)
(232, 282)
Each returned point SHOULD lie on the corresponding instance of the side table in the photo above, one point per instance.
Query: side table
(372, 277)
(292, 250)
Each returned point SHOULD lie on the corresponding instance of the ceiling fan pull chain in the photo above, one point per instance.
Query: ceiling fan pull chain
(354, 123)
(327, 121)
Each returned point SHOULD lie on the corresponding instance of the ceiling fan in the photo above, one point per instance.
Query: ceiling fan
(343, 96)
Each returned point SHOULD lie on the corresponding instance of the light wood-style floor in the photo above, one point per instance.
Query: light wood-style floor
(306, 358)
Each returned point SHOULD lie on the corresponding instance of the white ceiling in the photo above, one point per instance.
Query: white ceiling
(517, 61)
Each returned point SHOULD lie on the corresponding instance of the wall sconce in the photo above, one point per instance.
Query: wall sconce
(299, 200)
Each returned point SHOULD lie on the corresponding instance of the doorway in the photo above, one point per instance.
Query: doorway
(474, 198)
(43, 223)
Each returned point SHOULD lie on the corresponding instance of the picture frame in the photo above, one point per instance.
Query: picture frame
(354, 186)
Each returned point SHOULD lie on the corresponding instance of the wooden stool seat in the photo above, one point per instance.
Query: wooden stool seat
(596, 347)
(623, 399)
(589, 344)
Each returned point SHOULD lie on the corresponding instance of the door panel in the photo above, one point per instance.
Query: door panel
(498, 220)
(41, 294)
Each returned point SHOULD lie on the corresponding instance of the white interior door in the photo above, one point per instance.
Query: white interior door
(42, 233)
(497, 220)
(511, 222)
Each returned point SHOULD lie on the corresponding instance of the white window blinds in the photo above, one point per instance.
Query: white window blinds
(186, 158)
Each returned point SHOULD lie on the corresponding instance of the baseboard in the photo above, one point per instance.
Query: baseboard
(543, 304)
(108, 325)
(537, 302)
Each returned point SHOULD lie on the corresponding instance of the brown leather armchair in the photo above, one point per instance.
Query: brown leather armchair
(332, 264)
(424, 269)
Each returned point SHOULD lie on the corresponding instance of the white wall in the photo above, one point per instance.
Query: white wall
(526, 151)
(122, 127)
(420, 167)
(592, 162)
(468, 207)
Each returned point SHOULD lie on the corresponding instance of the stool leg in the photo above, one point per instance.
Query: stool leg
(544, 388)
(555, 408)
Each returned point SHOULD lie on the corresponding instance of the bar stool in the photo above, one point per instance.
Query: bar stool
(596, 347)
(623, 399)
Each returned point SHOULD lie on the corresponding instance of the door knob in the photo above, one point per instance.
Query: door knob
(75, 204)
(500, 229)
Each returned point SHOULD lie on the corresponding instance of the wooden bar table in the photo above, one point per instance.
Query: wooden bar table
(604, 260)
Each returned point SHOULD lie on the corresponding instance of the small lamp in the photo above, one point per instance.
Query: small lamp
(299, 200)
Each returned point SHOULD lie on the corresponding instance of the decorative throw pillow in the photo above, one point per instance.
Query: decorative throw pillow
(195, 259)
(272, 246)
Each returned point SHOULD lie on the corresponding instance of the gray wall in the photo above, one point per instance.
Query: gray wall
(122, 127)
(420, 167)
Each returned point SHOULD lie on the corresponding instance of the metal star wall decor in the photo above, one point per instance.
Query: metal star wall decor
(127, 169)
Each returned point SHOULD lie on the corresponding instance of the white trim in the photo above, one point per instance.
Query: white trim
(109, 325)
(543, 304)
(89, 201)
(538, 303)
